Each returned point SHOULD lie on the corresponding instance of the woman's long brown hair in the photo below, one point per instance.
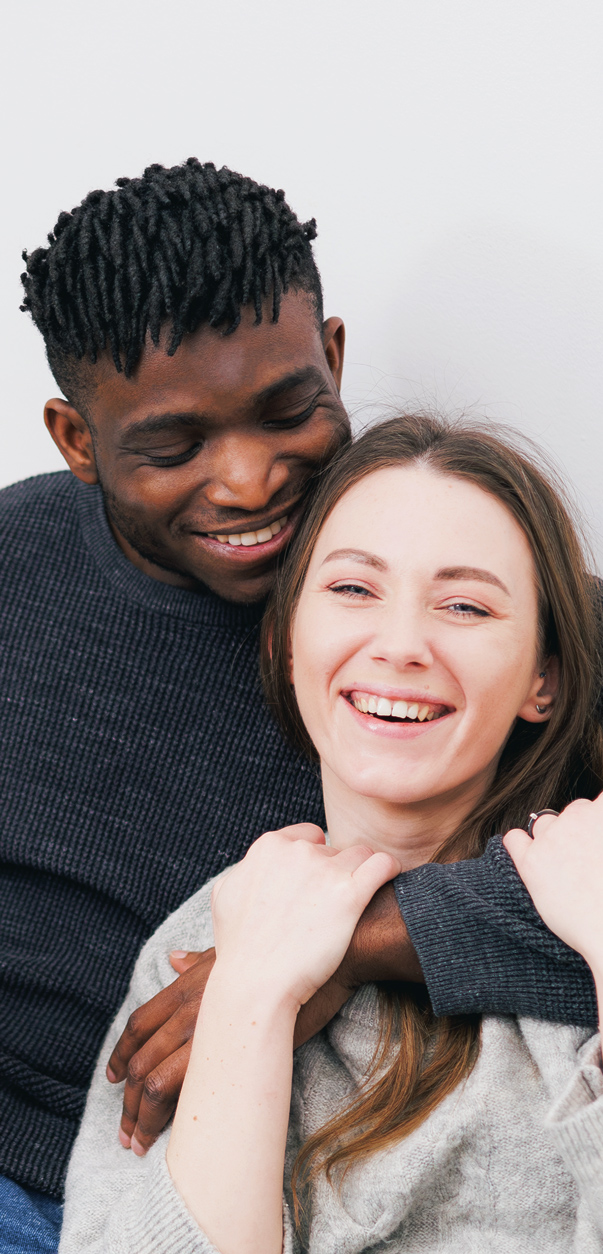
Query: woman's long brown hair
(421, 1059)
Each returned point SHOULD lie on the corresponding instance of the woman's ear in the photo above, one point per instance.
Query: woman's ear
(539, 705)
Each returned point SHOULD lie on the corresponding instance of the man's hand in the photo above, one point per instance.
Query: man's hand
(153, 1051)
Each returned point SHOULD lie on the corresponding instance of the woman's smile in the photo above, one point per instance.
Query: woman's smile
(402, 715)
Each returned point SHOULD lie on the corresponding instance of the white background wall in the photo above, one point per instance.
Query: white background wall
(449, 149)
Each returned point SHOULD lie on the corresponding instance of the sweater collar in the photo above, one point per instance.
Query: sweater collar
(126, 580)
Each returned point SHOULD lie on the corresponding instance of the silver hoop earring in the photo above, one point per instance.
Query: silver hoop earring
(541, 709)
(542, 674)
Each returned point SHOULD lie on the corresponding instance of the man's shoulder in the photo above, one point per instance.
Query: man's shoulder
(34, 512)
(51, 492)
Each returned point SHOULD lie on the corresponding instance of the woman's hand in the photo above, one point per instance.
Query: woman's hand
(285, 915)
(562, 869)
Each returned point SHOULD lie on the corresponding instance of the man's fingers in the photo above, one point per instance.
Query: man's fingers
(184, 994)
(141, 1025)
(159, 1099)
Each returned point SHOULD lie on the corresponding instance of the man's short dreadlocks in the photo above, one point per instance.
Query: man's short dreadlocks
(179, 246)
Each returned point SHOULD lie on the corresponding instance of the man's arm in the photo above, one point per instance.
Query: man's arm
(469, 930)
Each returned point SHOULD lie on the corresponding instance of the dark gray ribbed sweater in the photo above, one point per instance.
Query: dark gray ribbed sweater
(137, 760)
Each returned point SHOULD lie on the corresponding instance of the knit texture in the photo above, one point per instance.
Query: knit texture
(137, 760)
(484, 949)
(502, 1164)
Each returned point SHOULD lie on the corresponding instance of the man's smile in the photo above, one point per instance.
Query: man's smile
(264, 541)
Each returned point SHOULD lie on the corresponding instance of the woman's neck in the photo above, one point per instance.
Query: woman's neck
(413, 833)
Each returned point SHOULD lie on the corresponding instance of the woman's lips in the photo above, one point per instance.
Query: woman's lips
(382, 725)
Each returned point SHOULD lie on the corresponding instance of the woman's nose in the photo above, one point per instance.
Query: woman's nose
(403, 639)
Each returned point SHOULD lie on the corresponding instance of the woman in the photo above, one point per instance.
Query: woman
(434, 644)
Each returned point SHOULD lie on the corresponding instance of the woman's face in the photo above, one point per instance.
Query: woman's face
(414, 645)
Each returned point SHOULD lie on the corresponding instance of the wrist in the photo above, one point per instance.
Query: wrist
(381, 948)
(249, 989)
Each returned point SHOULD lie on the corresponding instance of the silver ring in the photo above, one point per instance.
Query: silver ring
(538, 815)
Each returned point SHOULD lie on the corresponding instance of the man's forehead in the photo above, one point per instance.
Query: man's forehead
(254, 364)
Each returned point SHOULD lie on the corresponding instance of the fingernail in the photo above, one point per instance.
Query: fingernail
(137, 1148)
(125, 1139)
(179, 953)
(111, 1076)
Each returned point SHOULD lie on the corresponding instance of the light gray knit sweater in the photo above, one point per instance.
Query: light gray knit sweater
(511, 1162)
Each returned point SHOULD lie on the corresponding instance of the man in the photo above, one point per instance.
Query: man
(182, 317)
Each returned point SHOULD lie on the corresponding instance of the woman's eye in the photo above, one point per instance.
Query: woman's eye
(174, 459)
(351, 590)
(463, 609)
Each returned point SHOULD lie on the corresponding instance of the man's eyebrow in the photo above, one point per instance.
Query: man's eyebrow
(161, 422)
(472, 572)
(296, 378)
(154, 423)
(357, 555)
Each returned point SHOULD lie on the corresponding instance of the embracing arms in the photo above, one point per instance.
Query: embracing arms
(479, 943)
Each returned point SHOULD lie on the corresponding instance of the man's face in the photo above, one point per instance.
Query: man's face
(217, 441)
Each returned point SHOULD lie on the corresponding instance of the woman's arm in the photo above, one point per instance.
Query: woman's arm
(283, 920)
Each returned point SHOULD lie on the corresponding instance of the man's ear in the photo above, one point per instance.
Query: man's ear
(72, 436)
(333, 339)
(539, 705)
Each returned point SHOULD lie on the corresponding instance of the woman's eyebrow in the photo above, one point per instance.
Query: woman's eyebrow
(472, 572)
(358, 555)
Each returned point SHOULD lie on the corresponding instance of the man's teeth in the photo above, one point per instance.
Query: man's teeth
(247, 538)
(394, 709)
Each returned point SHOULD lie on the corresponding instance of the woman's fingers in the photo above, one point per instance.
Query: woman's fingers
(301, 831)
(517, 844)
(373, 872)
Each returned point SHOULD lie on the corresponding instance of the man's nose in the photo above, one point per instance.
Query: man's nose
(243, 473)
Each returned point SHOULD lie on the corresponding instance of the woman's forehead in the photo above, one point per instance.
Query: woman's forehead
(414, 516)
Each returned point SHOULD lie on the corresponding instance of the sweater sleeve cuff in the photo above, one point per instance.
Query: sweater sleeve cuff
(168, 1226)
(165, 1225)
(483, 947)
(576, 1125)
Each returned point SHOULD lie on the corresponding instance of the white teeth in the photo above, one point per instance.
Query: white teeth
(384, 707)
(249, 538)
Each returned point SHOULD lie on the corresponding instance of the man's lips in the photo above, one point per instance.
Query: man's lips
(252, 552)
